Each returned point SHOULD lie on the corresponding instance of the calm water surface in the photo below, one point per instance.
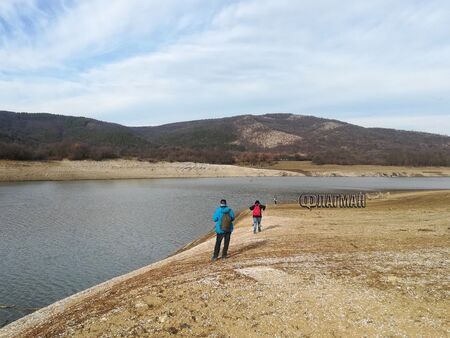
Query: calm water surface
(58, 238)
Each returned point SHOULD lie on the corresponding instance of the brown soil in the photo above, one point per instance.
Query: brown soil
(379, 271)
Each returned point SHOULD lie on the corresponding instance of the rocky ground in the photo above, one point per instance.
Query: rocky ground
(379, 271)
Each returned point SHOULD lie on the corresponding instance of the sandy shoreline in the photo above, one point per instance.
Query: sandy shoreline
(384, 267)
(308, 168)
(11, 171)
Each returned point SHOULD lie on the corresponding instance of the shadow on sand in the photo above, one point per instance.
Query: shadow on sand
(270, 227)
(247, 247)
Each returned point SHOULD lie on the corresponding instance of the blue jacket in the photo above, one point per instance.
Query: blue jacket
(218, 218)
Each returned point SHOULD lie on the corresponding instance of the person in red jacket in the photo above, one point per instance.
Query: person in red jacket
(257, 210)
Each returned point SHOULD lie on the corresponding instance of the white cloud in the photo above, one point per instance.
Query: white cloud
(91, 28)
(437, 124)
(318, 57)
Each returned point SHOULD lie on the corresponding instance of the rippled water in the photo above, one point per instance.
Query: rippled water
(58, 238)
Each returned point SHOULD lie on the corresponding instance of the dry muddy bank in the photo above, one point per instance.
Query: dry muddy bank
(382, 270)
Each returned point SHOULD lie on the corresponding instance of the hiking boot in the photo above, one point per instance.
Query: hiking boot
(259, 229)
(214, 259)
(224, 256)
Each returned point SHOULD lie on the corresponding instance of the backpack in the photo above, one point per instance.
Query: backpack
(257, 210)
(225, 222)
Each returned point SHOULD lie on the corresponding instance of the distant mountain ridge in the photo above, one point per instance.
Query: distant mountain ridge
(223, 140)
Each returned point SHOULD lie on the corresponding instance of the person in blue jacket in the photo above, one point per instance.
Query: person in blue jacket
(224, 218)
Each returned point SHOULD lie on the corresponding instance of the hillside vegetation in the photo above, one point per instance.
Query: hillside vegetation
(244, 139)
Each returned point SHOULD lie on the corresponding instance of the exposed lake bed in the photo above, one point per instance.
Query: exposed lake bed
(65, 170)
(62, 237)
(384, 267)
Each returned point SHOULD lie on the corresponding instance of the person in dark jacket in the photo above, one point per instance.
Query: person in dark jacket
(257, 210)
(224, 217)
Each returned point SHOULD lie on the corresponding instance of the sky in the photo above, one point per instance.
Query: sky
(142, 62)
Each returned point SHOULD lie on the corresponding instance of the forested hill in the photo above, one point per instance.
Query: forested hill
(245, 138)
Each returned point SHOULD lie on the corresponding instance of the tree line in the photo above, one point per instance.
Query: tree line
(82, 151)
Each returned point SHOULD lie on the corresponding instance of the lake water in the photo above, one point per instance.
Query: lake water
(58, 238)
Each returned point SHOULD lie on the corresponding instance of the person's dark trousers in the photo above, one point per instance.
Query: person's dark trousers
(219, 237)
